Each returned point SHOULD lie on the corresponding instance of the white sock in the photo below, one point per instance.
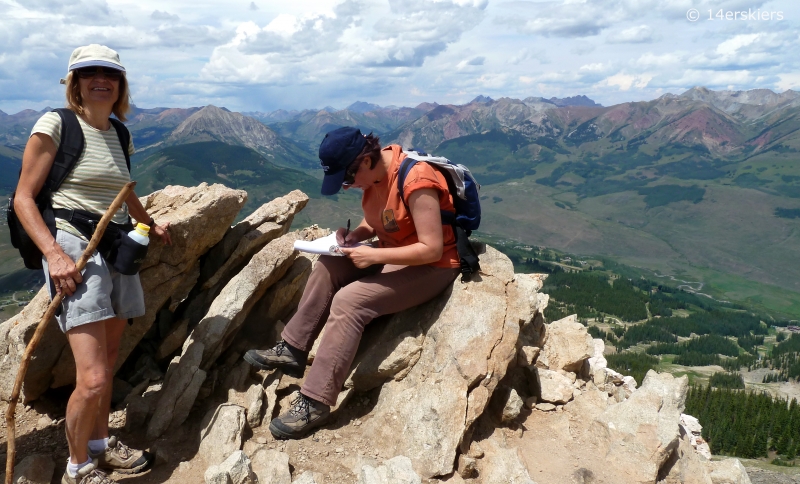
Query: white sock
(72, 469)
(98, 445)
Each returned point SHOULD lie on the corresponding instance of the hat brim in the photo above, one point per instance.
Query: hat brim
(332, 183)
(96, 63)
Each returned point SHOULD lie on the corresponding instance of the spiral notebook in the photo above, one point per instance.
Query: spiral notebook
(324, 245)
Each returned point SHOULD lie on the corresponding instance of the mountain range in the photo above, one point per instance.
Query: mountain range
(704, 185)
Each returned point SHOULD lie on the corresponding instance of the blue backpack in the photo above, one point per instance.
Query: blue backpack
(464, 189)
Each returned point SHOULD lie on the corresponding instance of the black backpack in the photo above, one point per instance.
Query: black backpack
(69, 151)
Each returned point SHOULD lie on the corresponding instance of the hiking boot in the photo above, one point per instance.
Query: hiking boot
(119, 457)
(304, 415)
(282, 356)
(88, 474)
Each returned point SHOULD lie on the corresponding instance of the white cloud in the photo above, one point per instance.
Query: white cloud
(634, 35)
(164, 16)
(626, 81)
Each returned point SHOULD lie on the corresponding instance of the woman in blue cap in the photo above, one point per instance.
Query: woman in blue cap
(414, 260)
(99, 301)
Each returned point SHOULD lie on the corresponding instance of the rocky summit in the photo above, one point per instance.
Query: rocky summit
(473, 386)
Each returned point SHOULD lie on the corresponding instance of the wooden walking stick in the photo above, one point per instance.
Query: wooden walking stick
(48, 315)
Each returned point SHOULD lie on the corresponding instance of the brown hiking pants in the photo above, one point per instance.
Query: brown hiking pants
(346, 299)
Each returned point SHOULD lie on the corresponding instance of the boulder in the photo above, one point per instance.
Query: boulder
(34, 469)
(305, 478)
(685, 466)
(502, 462)
(397, 470)
(728, 471)
(554, 387)
(527, 355)
(445, 359)
(513, 407)
(640, 434)
(567, 344)
(199, 217)
(598, 360)
(271, 466)
(268, 222)
(220, 325)
(692, 428)
(222, 433)
(233, 470)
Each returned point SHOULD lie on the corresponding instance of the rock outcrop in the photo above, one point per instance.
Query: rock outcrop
(473, 385)
(199, 217)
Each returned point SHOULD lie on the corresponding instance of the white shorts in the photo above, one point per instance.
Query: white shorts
(103, 294)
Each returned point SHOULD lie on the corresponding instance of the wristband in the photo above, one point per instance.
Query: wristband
(152, 222)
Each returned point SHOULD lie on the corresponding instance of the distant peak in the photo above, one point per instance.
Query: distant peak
(2, 113)
(579, 100)
(329, 109)
(482, 99)
(362, 107)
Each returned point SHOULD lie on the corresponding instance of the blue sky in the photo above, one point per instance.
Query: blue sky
(263, 55)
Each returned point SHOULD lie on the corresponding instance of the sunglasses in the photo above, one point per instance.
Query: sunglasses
(350, 174)
(89, 72)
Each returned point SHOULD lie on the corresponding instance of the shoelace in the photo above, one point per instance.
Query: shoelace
(301, 407)
(280, 347)
(97, 477)
(123, 450)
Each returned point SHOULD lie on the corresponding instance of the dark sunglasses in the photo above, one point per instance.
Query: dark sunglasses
(350, 174)
(89, 72)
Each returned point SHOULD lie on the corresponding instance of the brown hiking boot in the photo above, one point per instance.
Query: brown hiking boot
(121, 458)
(304, 415)
(282, 356)
(88, 474)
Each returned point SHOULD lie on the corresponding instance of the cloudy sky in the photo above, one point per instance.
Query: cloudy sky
(263, 55)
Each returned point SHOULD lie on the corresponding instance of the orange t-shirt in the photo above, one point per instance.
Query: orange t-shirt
(392, 221)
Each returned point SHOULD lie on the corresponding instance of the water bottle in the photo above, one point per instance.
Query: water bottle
(140, 233)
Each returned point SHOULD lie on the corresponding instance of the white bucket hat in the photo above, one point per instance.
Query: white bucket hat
(94, 55)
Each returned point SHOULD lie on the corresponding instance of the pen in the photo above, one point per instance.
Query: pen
(347, 232)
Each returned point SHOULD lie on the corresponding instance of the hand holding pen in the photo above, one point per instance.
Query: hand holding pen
(341, 235)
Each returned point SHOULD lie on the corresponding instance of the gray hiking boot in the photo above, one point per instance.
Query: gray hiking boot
(88, 474)
(304, 415)
(282, 356)
(121, 458)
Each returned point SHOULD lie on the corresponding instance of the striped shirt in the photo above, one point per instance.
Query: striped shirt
(99, 175)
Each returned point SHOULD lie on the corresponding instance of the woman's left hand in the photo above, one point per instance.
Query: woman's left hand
(162, 232)
(362, 256)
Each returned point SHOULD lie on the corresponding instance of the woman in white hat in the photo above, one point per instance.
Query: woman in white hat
(99, 301)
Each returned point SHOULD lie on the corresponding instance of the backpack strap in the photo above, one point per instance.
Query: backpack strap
(124, 139)
(69, 150)
(448, 217)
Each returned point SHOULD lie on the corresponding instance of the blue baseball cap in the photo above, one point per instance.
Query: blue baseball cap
(336, 152)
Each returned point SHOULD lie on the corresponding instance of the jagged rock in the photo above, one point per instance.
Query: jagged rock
(270, 385)
(198, 216)
(233, 470)
(685, 466)
(527, 355)
(222, 433)
(183, 381)
(174, 339)
(502, 463)
(271, 466)
(567, 344)
(14, 337)
(545, 407)
(728, 471)
(268, 222)
(305, 478)
(397, 470)
(555, 387)
(466, 466)
(465, 339)
(640, 434)
(691, 426)
(34, 469)
(512, 407)
(605, 376)
(598, 360)
(224, 318)
(255, 401)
